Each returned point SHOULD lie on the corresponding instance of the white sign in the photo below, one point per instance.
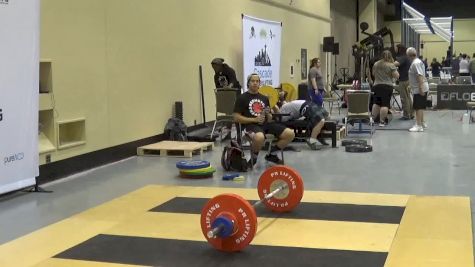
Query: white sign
(19, 82)
(261, 49)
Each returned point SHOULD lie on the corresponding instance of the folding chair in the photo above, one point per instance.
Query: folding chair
(331, 97)
(225, 98)
(358, 111)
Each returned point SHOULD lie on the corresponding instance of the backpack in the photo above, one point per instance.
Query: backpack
(233, 158)
(175, 130)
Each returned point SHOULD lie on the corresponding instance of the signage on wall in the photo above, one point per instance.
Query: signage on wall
(261, 49)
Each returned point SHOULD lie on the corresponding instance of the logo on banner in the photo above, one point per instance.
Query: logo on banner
(256, 107)
(262, 58)
(253, 33)
(4, 2)
(13, 158)
(446, 96)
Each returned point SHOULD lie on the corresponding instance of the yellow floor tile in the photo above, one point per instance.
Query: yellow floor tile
(434, 231)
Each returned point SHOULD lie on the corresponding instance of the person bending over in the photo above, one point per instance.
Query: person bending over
(314, 115)
(252, 110)
(420, 87)
(384, 72)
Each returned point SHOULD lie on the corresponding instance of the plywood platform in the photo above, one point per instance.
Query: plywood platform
(175, 149)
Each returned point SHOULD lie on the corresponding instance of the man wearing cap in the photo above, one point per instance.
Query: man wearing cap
(224, 76)
(252, 110)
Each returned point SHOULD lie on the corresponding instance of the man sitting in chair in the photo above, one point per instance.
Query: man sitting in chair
(252, 110)
(313, 114)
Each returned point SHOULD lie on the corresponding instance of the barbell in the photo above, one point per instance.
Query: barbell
(229, 222)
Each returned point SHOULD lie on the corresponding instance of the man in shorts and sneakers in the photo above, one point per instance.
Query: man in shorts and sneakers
(419, 87)
(314, 115)
(252, 110)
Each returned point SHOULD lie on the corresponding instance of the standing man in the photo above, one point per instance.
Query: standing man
(224, 75)
(435, 68)
(472, 68)
(403, 63)
(420, 87)
(252, 110)
(464, 66)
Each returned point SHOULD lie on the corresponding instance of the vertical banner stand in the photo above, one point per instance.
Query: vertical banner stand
(37, 188)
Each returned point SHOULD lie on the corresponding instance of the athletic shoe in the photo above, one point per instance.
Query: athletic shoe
(416, 128)
(274, 158)
(424, 125)
(313, 146)
(382, 124)
(251, 162)
(322, 141)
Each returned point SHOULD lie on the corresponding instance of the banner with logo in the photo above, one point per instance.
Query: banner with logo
(19, 82)
(261, 49)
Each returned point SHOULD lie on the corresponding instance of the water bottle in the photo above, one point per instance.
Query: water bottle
(233, 132)
(465, 118)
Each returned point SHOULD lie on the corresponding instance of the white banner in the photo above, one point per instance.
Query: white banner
(19, 83)
(261, 49)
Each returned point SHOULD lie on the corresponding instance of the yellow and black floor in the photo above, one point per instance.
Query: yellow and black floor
(160, 226)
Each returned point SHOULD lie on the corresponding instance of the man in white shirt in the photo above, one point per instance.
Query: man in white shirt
(314, 114)
(464, 66)
(419, 87)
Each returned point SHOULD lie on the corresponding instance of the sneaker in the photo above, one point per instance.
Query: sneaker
(424, 125)
(313, 146)
(251, 162)
(416, 128)
(322, 141)
(382, 124)
(274, 158)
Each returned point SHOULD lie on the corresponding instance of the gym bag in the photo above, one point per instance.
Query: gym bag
(233, 158)
(175, 130)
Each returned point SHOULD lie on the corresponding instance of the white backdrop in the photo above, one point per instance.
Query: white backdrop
(261, 49)
(19, 83)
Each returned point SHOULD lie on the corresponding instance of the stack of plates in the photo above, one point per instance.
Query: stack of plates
(195, 169)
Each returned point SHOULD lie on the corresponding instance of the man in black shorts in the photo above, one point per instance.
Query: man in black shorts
(252, 110)
(420, 87)
(313, 114)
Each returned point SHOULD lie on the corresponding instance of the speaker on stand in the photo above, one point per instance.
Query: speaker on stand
(328, 47)
(335, 52)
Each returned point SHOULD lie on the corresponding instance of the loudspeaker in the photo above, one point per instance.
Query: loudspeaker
(328, 43)
(336, 49)
(179, 110)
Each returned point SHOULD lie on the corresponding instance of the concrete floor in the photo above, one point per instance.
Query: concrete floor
(436, 162)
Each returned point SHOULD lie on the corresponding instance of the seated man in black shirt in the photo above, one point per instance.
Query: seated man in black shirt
(224, 76)
(252, 110)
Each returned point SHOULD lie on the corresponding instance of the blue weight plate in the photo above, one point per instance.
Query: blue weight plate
(192, 164)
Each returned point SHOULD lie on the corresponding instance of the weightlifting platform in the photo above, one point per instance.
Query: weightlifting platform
(160, 226)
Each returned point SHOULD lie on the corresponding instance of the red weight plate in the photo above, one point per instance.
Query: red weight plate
(245, 221)
(288, 198)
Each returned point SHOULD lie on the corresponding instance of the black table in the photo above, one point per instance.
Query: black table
(455, 96)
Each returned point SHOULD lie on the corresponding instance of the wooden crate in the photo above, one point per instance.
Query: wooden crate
(340, 133)
(175, 149)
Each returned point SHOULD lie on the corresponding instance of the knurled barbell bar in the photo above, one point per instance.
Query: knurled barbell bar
(229, 222)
